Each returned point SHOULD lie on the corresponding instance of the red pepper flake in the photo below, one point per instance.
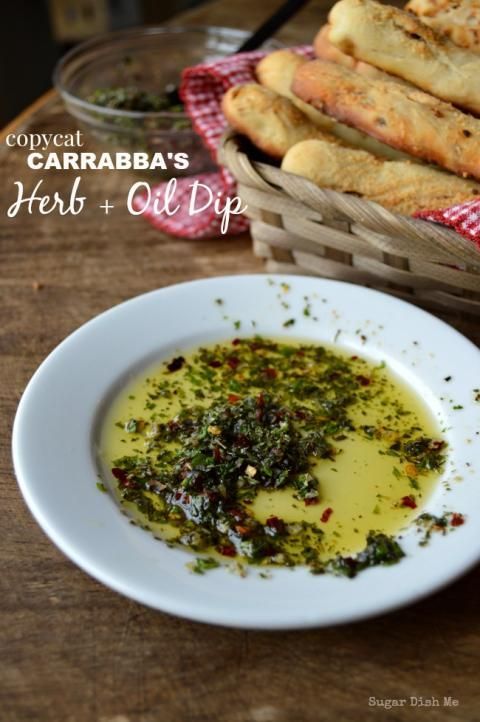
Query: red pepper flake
(176, 364)
(363, 380)
(409, 501)
(122, 477)
(183, 497)
(227, 550)
(457, 519)
(310, 502)
(233, 362)
(275, 523)
(260, 401)
(119, 474)
(299, 414)
(235, 342)
(327, 513)
(436, 445)
(353, 358)
(217, 454)
(270, 373)
(233, 398)
(242, 530)
(237, 514)
(215, 364)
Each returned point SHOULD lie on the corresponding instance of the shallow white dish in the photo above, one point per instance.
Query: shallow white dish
(57, 424)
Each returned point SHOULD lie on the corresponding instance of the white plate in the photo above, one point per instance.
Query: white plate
(58, 419)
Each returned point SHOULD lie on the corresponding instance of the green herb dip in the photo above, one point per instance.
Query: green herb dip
(267, 452)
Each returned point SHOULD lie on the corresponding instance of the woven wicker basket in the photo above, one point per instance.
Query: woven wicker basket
(300, 228)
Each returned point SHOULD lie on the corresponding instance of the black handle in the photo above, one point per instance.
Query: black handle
(272, 24)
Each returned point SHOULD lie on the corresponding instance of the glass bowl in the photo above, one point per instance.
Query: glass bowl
(147, 58)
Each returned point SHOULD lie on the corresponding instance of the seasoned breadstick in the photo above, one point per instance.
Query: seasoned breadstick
(270, 121)
(404, 118)
(396, 41)
(276, 72)
(460, 21)
(325, 50)
(399, 185)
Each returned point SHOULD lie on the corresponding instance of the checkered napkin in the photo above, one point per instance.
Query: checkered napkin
(463, 218)
(201, 91)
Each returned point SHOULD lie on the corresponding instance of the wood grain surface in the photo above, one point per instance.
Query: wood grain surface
(72, 650)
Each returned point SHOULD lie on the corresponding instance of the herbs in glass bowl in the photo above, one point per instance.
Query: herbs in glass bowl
(117, 87)
(141, 101)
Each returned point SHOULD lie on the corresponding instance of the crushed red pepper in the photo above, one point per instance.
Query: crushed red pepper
(457, 519)
(409, 501)
(363, 380)
(227, 550)
(327, 513)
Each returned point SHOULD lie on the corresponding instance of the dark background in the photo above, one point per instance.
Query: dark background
(35, 33)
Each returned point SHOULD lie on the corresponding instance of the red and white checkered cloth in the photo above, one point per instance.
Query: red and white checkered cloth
(202, 89)
(463, 218)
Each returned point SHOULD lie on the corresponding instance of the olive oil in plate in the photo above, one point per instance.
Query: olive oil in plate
(270, 452)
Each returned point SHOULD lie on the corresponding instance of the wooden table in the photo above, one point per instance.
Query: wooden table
(72, 650)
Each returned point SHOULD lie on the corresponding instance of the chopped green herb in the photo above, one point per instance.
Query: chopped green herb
(133, 98)
(381, 549)
(429, 524)
(203, 564)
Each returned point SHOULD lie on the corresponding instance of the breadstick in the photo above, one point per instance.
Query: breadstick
(399, 43)
(399, 185)
(276, 72)
(325, 50)
(404, 118)
(271, 122)
(460, 21)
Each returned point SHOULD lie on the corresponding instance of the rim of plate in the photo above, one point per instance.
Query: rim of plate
(57, 421)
